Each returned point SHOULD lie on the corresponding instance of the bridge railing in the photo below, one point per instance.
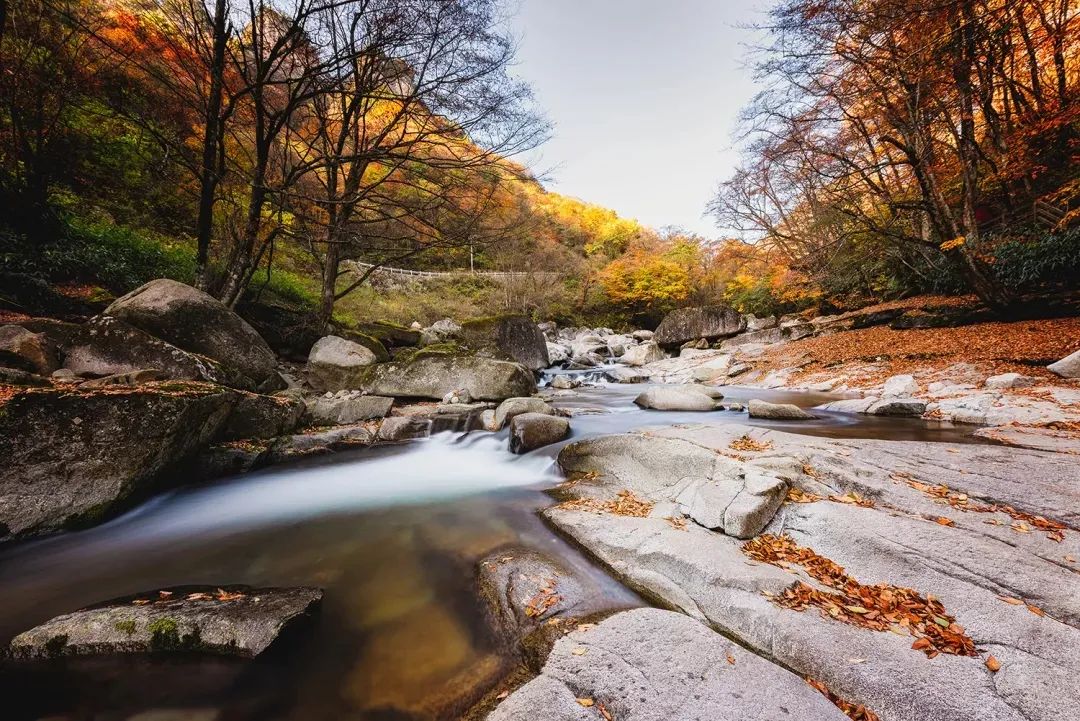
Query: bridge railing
(361, 268)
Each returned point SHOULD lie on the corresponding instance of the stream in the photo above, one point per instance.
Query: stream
(391, 533)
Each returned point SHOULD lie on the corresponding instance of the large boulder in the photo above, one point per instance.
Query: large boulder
(336, 364)
(26, 351)
(233, 621)
(653, 664)
(644, 354)
(513, 336)
(194, 321)
(72, 457)
(708, 322)
(106, 346)
(1067, 367)
(434, 376)
(680, 398)
(529, 431)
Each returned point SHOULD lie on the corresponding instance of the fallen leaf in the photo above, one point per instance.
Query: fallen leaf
(580, 651)
(993, 664)
(586, 702)
(943, 521)
(502, 695)
(1036, 610)
(731, 659)
(1011, 601)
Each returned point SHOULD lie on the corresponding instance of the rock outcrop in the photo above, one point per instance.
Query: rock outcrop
(511, 407)
(71, 457)
(194, 321)
(647, 352)
(27, 351)
(652, 664)
(344, 408)
(1067, 367)
(876, 510)
(690, 324)
(234, 621)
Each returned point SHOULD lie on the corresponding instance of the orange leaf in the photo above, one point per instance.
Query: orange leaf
(993, 664)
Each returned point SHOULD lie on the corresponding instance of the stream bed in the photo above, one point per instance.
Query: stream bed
(392, 534)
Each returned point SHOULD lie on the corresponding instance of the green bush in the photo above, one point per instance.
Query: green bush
(1035, 259)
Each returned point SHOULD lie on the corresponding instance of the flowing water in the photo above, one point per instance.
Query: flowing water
(392, 534)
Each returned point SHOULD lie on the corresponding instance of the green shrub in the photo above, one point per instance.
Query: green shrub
(1032, 259)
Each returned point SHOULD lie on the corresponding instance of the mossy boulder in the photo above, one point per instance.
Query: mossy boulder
(514, 337)
(233, 621)
(390, 334)
(73, 457)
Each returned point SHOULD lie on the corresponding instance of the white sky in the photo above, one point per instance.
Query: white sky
(644, 95)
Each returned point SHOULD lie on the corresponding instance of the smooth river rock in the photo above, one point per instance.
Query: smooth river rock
(529, 431)
(511, 407)
(336, 364)
(1009, 584)
(652, 665)
(679, 398)
(234, 621)
(777, 411)
(1067, 367)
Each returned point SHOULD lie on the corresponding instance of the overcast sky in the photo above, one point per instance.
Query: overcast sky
(643, 94)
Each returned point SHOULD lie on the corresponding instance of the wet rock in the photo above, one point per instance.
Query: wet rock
(194, 321)
(642, 335)
(1010, 380)
(529, 431)
(318, 442)
(237, 621)
(850, 405)
(72, 457)
(557, 354)
(622, 374)
(565, 382)
(531, 598)
(648, 352)
(23, 350)
(347, 408)
(903, 536)
(653, 664)
(16, 377)
(433, 377)
(690, 324)
(336, 364)
(1067, 367)
(257, 416)
(903, 386)
(403, 428)
(777, 411)
(734, 407)
(900, 407)
(679, 398)
(511, 407)
(514, 336)
(132, 378)
(107, 346)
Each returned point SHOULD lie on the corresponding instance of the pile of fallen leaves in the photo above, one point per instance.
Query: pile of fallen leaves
(881, 607)
(544, 599)
(851, 498)
(220, 595)
(798, 495)
(999, 347)
(626, 503)
(1022, 522)
(746, 443)
(855, 711)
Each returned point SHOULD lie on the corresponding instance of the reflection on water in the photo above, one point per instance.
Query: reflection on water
(392, 534)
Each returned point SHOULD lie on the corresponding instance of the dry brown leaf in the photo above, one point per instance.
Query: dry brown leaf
(586, 702)
(993, 664)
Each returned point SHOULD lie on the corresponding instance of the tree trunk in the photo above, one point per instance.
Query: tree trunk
(331, 263)
(209, 176)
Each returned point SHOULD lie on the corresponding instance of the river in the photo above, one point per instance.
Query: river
(391, 533)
